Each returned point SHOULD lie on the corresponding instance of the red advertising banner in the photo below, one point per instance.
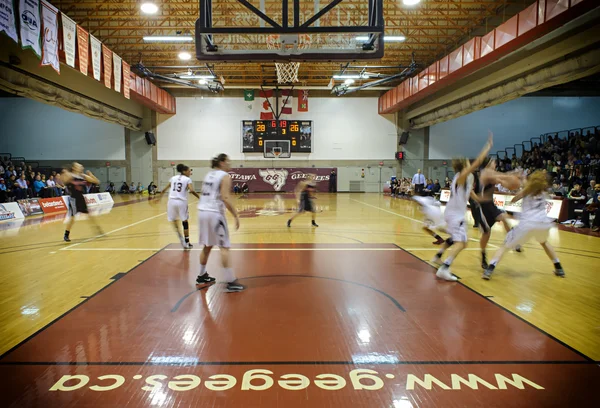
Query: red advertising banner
(83, 48)
(53, 205)
(30, 206)
(278, 180)
(107, 55)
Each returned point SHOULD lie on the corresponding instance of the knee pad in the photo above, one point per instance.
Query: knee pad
(185, 224)
(449, 242)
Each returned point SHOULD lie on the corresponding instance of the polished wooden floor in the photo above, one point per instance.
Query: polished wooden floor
(374, 306)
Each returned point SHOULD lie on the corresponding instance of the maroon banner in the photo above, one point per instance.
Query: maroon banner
(278, 180)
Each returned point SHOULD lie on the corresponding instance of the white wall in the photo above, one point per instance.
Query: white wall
(344, 129)
(38, 131)
(141, 159)
(512, 123)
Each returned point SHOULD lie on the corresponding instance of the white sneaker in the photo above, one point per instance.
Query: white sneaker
(444, 273)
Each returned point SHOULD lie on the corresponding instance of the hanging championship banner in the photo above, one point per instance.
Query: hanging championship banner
(126, 78)
(303, 100)
(117, 65)
(83, 48)
(69, 35)
(7, 19)
(50, 37)
(107, 57)
(30, 25)
(96, 56)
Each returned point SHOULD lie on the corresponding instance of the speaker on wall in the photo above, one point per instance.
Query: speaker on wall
(403, 138)
(150, 139)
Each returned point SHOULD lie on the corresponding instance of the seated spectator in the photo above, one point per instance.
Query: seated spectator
(139, 188)
(3, 191)
(52, 189)
(592, 208)
(132, 188)
(124, 188)
(447, 182)
(110, 188)
(245, 189)
(39, 186)
(590, 191)
(236, 189)
(21, 187)
(558, 189)
(436, 187)
(59, 185)
(152, 188)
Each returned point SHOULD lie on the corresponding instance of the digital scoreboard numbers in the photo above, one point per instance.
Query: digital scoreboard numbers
(298, 132)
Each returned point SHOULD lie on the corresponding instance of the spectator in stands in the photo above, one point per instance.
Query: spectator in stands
(52, 187)
(132, 188)
(436, 187)
(429, 188)
(20, 187)
(592, 208)
(59, 185)
(447, 182)
(9, 172)
(2, 170)
(124, 188)
(152, 188)
(139, 188)
(39, 187)
(236, 189)
(245, 188)
(558, 189)
(3, 191)
(591, 190)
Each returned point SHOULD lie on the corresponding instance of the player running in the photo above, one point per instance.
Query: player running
(75, 181)
(177, 207)
(305, 194)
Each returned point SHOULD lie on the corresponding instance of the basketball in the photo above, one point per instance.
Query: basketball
(511, 182)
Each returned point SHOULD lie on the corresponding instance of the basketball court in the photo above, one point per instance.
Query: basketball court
(348, 313)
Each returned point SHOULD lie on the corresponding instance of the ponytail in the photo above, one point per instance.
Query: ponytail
(182, 167)
(218, 159)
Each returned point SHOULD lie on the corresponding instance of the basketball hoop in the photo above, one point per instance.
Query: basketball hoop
(287, 44)
(276, 154)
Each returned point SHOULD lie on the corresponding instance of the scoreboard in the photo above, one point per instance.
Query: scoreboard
(298, 132)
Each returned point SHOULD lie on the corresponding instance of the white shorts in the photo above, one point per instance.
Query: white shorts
(433, 217)
(177, 210)
(522, 233)
(457, 228)
(213, 229)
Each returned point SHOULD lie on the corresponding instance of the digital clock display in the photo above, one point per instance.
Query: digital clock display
(298, 132)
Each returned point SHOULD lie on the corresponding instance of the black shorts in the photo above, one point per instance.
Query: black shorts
(77, 205)
(306, 205)
(489, 215)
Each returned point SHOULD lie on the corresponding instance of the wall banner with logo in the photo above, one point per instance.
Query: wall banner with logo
(30, 206)
(30, 25)
(99, 199)
(126, 79)
(7, 19)
(278, 180)
(96, 46)
(83, 39)
(53, 205)
(50, 37)
(69, 39)
(10, 211)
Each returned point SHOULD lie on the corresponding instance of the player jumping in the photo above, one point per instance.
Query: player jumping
(534, 223)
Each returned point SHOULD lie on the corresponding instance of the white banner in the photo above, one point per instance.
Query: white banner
(7, 19)
(117, 67)
(50, 37)
(10, 211)
(96, 56)
(69, 37)
(99, 199)
(30, 25)
(502, 201)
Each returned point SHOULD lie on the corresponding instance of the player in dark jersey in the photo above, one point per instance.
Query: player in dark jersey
(490, 214)
(305, 193)
(75, 180)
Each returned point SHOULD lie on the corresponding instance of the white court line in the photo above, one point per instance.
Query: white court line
(235, 249)
(408, 218)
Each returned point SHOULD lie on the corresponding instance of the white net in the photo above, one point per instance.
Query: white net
(287, 72)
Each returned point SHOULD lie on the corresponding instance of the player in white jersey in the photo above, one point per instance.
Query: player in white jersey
(433, 217)
(534, 223)
(215, 199)
(461, 189)
(177, 207)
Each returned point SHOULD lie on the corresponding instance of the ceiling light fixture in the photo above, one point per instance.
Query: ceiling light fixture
(352, 76)
(410, 2)
(349, 81)
(387, 38)
(197, 76)
(169, 38)
(149, 8)
(185, 56)
(202, 81)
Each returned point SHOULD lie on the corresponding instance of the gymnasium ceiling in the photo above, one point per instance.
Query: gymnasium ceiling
(432, 29)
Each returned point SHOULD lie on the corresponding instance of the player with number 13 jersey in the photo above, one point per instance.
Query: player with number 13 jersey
(177, 207)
